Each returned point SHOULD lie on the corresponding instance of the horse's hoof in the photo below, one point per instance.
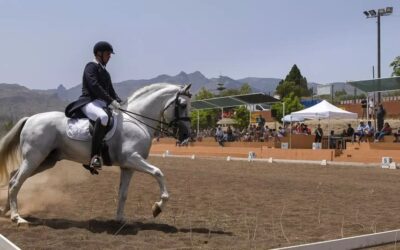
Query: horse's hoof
(21, 222)
(156, 210)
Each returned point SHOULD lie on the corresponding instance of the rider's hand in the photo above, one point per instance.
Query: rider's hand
(115, 105)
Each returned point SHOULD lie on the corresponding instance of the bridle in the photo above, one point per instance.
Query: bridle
(169, 125)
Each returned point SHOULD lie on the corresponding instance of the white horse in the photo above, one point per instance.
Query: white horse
(36, 143)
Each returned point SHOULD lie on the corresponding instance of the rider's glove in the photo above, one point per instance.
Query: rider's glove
(115, 105)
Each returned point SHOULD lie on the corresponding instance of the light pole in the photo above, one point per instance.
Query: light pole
(372, 14)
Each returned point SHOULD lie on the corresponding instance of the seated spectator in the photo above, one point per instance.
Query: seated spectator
(306, 130)
(281, 132)
(396, 135)
(344, 133)
(360, 132)
(386, 130)
(349, 131)
(318, 133)
(247, 137)
(369, 130)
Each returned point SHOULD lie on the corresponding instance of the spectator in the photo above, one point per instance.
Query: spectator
(360, 132)
(396, 135)
(229, 133)
(332, 140)
(307, 130)
(318, 133)
(247, 137)
(260, 121)
(369, 130)
(386, 130)
(380, 116)
(281, 132)
(371, 107)
(350, 131)
(219, 136)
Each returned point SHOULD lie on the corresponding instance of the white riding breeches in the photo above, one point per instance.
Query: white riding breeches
(94, 110)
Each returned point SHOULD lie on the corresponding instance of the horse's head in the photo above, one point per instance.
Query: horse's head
(176, 113)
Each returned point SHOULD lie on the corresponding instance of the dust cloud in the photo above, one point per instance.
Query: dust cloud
(50, 187)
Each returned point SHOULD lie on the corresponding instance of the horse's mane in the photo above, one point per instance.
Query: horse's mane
(148, 90)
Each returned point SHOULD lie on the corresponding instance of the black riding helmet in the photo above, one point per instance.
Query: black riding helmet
(102, 46)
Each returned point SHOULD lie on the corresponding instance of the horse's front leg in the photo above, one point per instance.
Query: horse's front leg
(125, 179)
(138, 163)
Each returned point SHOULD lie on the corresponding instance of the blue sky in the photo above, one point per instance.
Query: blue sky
(47, 43)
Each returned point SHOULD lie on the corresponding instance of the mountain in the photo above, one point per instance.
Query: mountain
(17, 101)
(197, 79)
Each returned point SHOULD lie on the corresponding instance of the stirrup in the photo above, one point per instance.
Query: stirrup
(96, 162)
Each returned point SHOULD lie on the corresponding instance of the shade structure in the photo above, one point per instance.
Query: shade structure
(377, 85)
(233, 101)
(324, 110)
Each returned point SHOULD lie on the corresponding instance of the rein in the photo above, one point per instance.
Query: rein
(173, 123)
(131, 115)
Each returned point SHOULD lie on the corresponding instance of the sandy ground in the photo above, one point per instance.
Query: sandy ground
(214, 204)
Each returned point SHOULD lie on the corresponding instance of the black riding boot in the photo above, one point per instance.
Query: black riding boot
(99, 132)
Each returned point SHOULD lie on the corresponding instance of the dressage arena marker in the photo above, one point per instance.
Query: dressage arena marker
(271, 160)
(356, 242)
(6, 244)
(387, 162)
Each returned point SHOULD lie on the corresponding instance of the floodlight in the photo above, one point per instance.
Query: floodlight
(372, 12)
(389, 10)
(381, 11)
(366, 13)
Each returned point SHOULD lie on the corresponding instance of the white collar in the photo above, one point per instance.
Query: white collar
(95, 61)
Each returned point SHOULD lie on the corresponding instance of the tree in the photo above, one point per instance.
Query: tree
(288, 87)
(396, 66)
(294, 82)
(245, 89)
(242, 117)
(203, 94)
(292, 104)
(207, 117)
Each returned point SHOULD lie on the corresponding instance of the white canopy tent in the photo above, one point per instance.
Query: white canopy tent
(289, 118)
(323, 110)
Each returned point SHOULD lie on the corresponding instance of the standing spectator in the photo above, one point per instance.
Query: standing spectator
(332, 140)
(260, 121)
(380, 116)
(229, 133)
(219, 136)
(371, 108)
(318, 133)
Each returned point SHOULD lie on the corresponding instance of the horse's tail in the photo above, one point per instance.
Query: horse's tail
(10, 154)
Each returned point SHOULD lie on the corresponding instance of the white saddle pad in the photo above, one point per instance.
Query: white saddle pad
(78, 129)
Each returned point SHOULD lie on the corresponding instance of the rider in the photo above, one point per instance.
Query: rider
(97, 94)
